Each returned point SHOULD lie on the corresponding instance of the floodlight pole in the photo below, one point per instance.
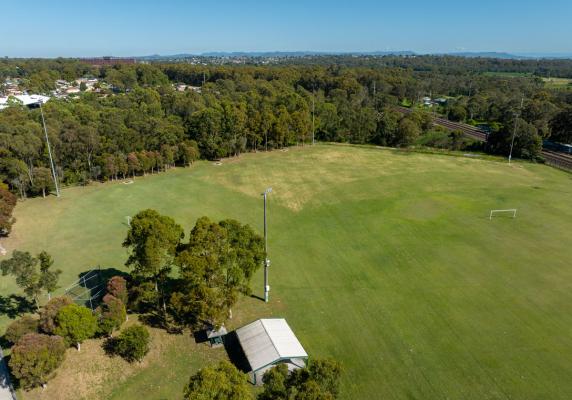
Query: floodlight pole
(516, 115)
(50, 152)
(313, 113)
(266, 259)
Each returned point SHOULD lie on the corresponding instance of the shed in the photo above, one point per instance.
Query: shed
(215, 336)
(268, 342)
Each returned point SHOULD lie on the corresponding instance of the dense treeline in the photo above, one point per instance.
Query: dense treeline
(144, 125)
(450, 64)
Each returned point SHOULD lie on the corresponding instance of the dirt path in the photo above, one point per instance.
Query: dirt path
(6, 389)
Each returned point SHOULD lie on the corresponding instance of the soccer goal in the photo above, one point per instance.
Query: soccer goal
(510, 210)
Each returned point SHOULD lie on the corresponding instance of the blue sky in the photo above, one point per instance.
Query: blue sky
(128, 27)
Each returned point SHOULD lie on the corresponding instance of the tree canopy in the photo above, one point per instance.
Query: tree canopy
(319, 381)
(35, 358)
(150, 126)
(75, 324)
(24, 267)
(215, 266)
(221, 382)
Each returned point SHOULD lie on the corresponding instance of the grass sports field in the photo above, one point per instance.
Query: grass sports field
(385, 260)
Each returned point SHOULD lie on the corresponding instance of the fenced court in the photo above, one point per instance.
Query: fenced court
(88, 290)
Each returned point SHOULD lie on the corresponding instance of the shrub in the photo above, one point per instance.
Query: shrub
(133, 343)
(49, 312)
(35, 358)
(75, 324)
(117, 287)
(321, 380)
(20, 327)
(221, 382)
(143, 297)
(111, 314)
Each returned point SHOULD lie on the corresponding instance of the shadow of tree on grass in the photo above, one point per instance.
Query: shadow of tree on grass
(15, 305)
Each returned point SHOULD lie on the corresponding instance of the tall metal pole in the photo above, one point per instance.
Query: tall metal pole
(516, 115)
(313, 113)
(50, 152)
(266, 259)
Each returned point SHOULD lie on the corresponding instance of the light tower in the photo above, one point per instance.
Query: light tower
(516, 115)
(266, 259)
(50, 152)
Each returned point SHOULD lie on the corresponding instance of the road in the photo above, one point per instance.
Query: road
(6, 390)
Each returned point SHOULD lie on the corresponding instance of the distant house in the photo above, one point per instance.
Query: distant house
(72, 90)
(181, 87)
(269, 342)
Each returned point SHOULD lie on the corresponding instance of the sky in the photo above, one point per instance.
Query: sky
(63, 28)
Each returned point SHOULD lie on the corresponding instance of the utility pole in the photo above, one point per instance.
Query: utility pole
(313, 112)
(50, 152)
(516, 115)
(266, 259)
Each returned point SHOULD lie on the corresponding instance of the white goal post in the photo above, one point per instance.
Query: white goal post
(510, 210)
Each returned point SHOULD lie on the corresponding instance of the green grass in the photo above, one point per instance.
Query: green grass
(385, 260)
(557, 83)
(508, 74)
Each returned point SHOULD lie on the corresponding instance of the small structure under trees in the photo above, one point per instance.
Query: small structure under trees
(215, 336)
(269, 342)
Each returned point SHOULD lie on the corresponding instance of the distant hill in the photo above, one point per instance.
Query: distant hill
(487, 54)
(277, 54)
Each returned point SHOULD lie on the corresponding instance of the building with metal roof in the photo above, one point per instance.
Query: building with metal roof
(268, 342)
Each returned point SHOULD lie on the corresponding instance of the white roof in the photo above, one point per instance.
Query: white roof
(268, 340)
(26, 99)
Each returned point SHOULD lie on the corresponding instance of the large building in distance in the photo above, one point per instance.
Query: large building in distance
(101, 61)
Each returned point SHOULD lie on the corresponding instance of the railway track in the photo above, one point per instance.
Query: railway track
(554, 158)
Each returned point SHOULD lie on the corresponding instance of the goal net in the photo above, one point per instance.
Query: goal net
(510, 211)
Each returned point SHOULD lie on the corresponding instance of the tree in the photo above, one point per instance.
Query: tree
(407, 132)
(275, 382)
(117, 287)
(20, 327)
(133, 163)
(457, 113)
(35, 358)
(244, 255)
(319, 381)
(24, 268)
(49, 312)
(561, 126)
(7, 204)
(132, 343)
(387, 128)
(48, 278)
(152, 240)
(111, 313)
(215, 267)
(42, 179)
(222, 382)
(527, 142)
(189, 152)
(75, 324)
